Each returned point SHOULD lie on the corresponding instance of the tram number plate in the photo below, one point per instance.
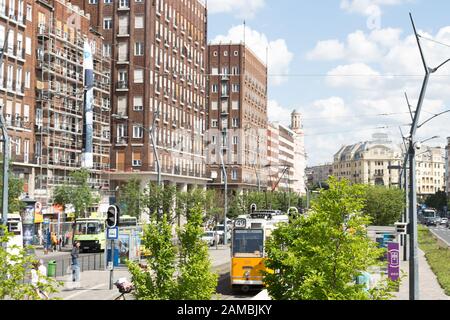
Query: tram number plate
(240, 223)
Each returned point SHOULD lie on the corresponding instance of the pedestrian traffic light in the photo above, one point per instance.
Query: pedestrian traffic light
(401, 227)
(112, 216)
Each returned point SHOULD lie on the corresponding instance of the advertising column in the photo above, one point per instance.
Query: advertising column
(87, 160)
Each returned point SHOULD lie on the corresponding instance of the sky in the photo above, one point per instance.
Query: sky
(345, 64)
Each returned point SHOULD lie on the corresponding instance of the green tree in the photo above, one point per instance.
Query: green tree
(79, 193)
(438, 200)
(130, 197)
(157, 283)
(15, 191)
(195, 280)
(385, 206)
(155, 196)
(15, 264)
(318, 256)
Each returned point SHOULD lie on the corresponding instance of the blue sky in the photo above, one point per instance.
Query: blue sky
(350, 46)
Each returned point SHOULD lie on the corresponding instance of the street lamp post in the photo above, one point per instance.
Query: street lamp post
(225, 180)
(413, 245)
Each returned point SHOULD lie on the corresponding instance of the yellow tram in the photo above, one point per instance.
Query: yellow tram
(249, 237)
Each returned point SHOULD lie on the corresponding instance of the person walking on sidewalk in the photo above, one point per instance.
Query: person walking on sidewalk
(38, 272)
(75, 265)
(54, 242)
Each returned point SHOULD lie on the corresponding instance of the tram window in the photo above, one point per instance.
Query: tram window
(93, 228)
(248, 243)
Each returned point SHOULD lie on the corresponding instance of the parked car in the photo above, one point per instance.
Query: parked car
(220, 229)
(444, 221)
(210, 238)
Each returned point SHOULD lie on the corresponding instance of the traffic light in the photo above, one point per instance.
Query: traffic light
(253, 208)
(112, 216)
(401, 227)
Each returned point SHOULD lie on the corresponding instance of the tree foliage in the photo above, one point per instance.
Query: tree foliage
(168, 278)
(79, 193)
(15, 191)
(318, 256)
(437, 201)
(195, 280)
(130, 197)
(385, 206)
(15, 264)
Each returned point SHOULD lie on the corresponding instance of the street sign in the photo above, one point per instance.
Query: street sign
(110, 266)
(112, 233)
(393, 261)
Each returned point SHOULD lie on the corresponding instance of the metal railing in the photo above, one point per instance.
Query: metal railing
(88, 262)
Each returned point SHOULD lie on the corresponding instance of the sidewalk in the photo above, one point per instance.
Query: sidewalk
(429, 288)
(94, 285)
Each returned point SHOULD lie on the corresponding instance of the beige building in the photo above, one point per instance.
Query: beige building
(368, 162)
(318, 174)
(430, 168)
(447, 166)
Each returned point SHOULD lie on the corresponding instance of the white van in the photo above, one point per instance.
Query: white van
(15, 227)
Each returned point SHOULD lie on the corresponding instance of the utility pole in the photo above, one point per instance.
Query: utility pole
(413, 246)
(225, 180)
(155, 149)
(5, 140)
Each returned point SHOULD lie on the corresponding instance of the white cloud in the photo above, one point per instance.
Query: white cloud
(368, 7)
(279, 56)
(327, 50)
(245, 9)
(357, 76)
(278, 113)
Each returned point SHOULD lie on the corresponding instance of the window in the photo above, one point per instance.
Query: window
(108, 1)
(123, 51)
(138, 104)
(214, 88)
(214, 105)
(107, 23)
(235, 105)
(213, 140)
(138, 76)
(235, 87)
(225, 70)
(236, 53)
(138, 132)
(214, 123)
(215, 71)
(234, 174)
(28, 45)
(235, 140)
(27, 79)
(124, 3)
(122, 105)
(235, 122)
(139, 22)
(93, 1)
(235, 70)
(139, 49)
(215, 53)
(225, 53)
(107, 50)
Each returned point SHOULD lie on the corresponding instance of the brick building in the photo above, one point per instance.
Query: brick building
(237, 103)
(43, 99)
(158, 50)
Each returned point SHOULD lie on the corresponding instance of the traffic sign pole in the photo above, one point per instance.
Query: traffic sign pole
(111, 271)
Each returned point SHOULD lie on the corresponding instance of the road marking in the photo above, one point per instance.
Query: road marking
(83, 291)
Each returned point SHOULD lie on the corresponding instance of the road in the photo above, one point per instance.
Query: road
(442, 232)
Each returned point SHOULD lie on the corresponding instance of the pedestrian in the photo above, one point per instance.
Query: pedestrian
(59, 243)
(38, 273)
(54, 241)
(75, 265)
(47, 241)
(67, 238)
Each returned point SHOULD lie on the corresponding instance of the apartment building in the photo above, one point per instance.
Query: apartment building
(16, 87)
(368, 162)
(158, 49)
(430, 170)
(447, 166)
(60, 33)
(273, 155)
(237, 117)
(318, 175)
(42, 94)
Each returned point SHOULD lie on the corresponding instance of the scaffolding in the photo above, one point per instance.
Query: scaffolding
(60, 105)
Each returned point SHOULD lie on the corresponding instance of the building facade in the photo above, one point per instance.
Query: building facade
(318, 175)
(430, 170)
(237, 117)
(368, 162)
(43, 99)
(447, 166)
(60, 33)
(158, 77)
(286, 156)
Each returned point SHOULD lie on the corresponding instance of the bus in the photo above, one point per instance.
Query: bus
(428, 217)
(249, 237)
(90, 232)
(15, 227)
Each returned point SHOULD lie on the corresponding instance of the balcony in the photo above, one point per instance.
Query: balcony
(122, 86)
(124, 32)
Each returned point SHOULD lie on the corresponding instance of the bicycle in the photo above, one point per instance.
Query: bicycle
(124, 287)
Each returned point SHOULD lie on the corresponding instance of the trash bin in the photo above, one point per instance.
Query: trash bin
(51, 269)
